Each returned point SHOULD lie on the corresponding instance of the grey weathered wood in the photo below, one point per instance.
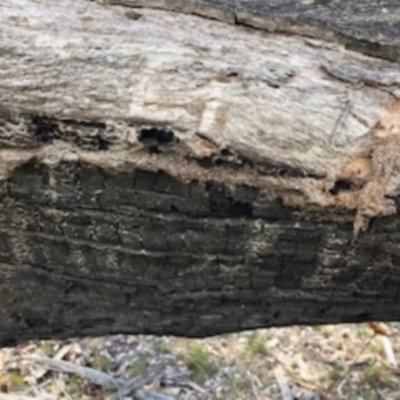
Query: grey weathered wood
(169, 173)
(370, 27)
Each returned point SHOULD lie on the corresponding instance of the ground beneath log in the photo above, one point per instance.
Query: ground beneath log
(323, 362)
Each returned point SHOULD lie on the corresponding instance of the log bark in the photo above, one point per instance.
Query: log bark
(197, 167)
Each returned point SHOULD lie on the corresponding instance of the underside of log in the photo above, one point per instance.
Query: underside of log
(197, 167)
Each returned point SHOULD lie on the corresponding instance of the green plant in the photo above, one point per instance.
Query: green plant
(365, 394)
(373, 374)
(161, 348)
(376, 346)
(199, 363)
(364, 332)
(15, 380)
(317, 328)
(102, 363)
(257, 346)
(139, 367)
(74, 384)
(333, 374)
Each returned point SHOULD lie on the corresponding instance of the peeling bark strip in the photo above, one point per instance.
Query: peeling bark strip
(170, 174)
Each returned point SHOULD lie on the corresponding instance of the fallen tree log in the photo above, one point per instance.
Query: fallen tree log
(198, 167)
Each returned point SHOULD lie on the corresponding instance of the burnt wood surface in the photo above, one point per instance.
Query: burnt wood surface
(143, 253)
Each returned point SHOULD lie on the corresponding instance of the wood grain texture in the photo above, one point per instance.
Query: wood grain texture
(173, 174)
(371, 26)
(273, 99)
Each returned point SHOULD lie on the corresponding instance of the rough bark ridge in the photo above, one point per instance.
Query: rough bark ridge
(169, 174)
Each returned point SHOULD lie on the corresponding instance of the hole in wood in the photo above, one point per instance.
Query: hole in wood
(156, 140)
(341, 186)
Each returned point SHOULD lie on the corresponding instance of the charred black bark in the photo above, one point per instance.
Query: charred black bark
(89, 252)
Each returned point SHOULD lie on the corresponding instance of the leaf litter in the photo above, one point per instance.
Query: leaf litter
(348, 361)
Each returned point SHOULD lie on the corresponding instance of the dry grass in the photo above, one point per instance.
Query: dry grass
(322, 362)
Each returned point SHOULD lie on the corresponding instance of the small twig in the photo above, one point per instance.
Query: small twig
(124, 387)
(63, 351)
(145, 395)
(184, 385)
(253, 386)
(282, 383)
(378, 393)
(337, 385)
(4, 396)
(133, 385)
(389, 353)
(97, 377)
